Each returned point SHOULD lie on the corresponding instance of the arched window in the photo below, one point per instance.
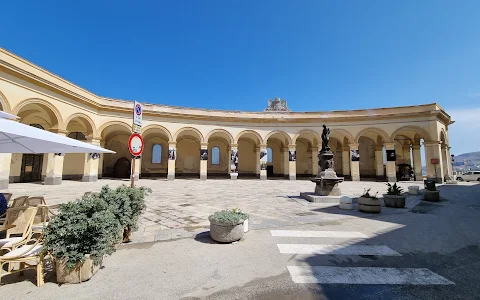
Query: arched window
(157, 154)
(77, 136)
(215, 156)
(269, 155)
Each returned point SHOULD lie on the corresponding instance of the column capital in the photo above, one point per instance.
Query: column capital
(346, 148)
(431, 143)
(263, 146)
(416, 147)
(203, 145)
(389, 146)
(58, 131)
(353, 146)
(292, 147)
(172, 144)
(233, 145)
(314, 149)
(379, 148)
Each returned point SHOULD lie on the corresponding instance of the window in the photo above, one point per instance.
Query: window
(215, 156)
(157, 154)
(269, 155)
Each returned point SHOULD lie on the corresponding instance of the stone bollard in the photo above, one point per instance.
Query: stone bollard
(346, 203)
(413, 190)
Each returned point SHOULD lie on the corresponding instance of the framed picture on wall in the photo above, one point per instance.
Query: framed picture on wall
(292, 155)
(234, 161)
(172, 154)
(391, 156)
(263, 166)
(355, 155)
(203, 154)
(263, 155)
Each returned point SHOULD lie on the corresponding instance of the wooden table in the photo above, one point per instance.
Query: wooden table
(6, 227)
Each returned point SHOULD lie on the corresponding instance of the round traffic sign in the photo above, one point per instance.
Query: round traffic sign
(138, 109)
(135, 144)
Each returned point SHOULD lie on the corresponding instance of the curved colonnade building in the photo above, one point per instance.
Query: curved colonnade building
(175, 137)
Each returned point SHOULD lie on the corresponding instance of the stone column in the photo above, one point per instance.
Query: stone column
(391, 165)
(233, 166)
(346, 161)
(449, 164)
(90, 170)
(286, 163)
(100, 161)
(5, 161)
(445, 160)
(257, 164)
(406, 154)
(54, 167)
(354, 165)
(417, 162)
(314, 161)
(379, 163)
(292, 164)
(172, 156)
(263, 161)
(203, 163)
(433, 151)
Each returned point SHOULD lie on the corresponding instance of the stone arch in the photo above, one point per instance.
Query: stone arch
(86, 118)
(4, 103)
(111, 123)
(227, 133)
(43, 103)
(253, 132)
(443, 137)
(156, 126)
(283, 133)
(378, 131)
(343, 135)
(306, 131)
(418, 130)
(200, 135)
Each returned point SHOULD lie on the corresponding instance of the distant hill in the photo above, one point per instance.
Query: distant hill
(473, 158)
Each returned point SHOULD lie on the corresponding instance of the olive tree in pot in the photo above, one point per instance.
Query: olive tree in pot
(127, 204)
(394, 197)
(227, 226)
(80, 235)
(369, 203)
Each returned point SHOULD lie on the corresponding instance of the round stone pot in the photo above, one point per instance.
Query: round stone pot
(432, 195)
(369, 205)
(397, 201)
(82, 273)
(226, 233)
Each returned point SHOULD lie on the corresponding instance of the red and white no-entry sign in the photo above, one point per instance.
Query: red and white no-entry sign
(135, 144)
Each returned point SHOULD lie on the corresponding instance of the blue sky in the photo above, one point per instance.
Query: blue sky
(318, 55)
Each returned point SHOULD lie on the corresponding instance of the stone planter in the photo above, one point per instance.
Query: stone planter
(432, 195)
(226, 233)
(77, 275)
(369, 205)
(397, 201)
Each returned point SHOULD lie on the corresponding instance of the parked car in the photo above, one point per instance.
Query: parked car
(469, 176)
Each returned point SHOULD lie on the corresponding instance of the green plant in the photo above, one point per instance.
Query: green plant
(229, 217)
(394, 189)
(366, 194)
(84, 226)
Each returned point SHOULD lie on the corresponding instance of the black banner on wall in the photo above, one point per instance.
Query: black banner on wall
(391, 156)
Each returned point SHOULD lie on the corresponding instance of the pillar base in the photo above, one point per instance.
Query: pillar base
(52, 180)
(380, 178)
(203, 176)
(355, 177)
(4, 184)
(292, 177)
(263, 177)
(170, 176)
(89, 178)
(233, 176)
(392, 178)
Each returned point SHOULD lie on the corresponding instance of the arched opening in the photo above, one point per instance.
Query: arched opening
(78, 128)
(115, 136)
(306, 145)
(188, 154)
(33, 167)
(279, 166)
(372, 164)
(249, 155)
(410, 153)
(155, 154)
(218, 165)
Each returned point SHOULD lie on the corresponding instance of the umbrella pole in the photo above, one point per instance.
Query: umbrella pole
(132, 176)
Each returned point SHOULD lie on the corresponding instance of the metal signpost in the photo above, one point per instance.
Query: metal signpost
(135, 143)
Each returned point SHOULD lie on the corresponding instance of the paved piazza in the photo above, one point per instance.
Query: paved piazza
(180, 208)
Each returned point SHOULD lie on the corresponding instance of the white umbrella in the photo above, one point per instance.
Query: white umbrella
(7, 115)
(16, 137)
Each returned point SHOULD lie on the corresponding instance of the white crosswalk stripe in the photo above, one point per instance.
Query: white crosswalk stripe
(326, 234)
(350, 275)
(365, 275)
(337, 249)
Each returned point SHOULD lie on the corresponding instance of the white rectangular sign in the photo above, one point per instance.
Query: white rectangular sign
(137, 114)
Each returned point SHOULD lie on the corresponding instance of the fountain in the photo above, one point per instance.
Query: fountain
(326, 181)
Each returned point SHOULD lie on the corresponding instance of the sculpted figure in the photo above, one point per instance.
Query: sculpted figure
(325, 138)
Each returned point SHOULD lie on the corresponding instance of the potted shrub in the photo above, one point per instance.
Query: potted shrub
(127, 204)
(227, 226)
(394, 197)
(431, 193)
(80, 235)
(369, 203)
